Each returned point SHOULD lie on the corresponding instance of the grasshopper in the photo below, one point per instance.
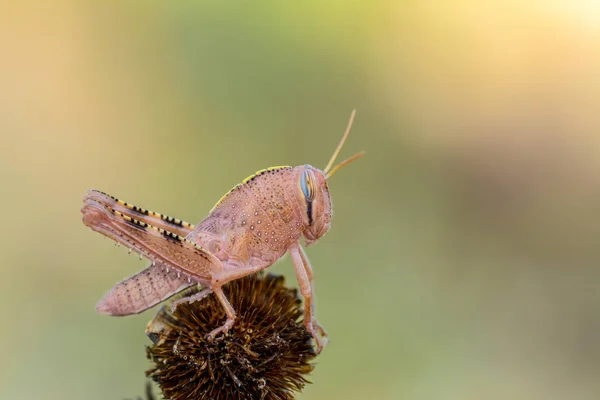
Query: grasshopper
(250, 228)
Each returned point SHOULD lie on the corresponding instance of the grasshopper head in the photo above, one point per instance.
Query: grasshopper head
(312, 185)
(313, 188)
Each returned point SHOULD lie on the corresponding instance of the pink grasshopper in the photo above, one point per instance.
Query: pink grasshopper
(251, 227)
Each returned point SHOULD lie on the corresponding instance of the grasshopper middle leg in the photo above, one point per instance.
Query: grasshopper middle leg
(219, 279)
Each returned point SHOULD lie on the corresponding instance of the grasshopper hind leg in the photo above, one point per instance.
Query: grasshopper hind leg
(218, 280)
(158, 220)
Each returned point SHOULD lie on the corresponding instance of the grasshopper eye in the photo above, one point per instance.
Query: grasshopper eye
(307, 183)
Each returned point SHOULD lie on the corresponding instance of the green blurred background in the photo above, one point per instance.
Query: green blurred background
(463, 261)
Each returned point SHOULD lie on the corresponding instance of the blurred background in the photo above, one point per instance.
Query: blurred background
(463, 261)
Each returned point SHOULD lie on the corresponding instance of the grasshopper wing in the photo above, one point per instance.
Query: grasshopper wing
(157, 244)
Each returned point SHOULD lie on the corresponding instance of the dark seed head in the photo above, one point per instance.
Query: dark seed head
(265, 355)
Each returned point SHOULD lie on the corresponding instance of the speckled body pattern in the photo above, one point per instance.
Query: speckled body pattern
(255, 223)
(250, 228)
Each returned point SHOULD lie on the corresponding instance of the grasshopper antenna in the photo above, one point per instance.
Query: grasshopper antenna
(337, 151)
(345, 162)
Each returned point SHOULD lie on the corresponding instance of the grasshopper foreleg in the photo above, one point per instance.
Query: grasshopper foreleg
(305, 280)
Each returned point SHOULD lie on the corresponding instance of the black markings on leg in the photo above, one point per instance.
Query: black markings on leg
(136, 225)
(171, 236)
(174, 221)
(166, 218)
(142, 211)
(131, 221)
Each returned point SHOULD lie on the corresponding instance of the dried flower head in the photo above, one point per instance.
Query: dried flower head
(265, 355)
